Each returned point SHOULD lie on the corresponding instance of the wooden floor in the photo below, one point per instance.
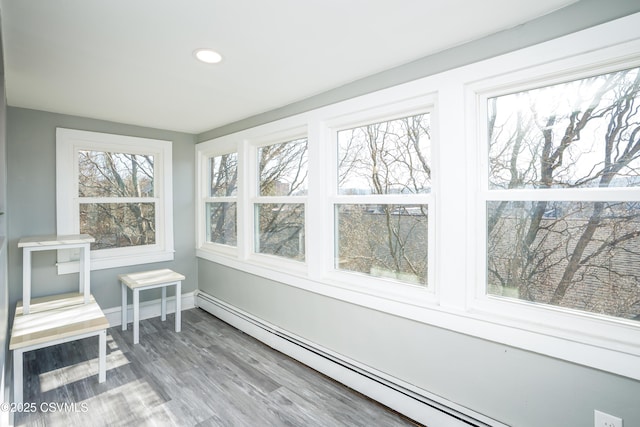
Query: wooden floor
(210, 374)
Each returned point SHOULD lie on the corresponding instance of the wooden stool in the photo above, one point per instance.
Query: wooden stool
(149, 280)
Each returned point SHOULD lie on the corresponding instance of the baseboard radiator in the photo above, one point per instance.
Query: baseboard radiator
(411, 401)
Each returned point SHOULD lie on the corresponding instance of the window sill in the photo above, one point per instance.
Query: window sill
(114, 262)
(393, 299)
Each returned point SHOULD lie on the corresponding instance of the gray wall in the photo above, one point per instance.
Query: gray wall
(514, 386)
(32, 203)
(4, 289)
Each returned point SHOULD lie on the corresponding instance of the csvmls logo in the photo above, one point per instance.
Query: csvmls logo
(64, 407)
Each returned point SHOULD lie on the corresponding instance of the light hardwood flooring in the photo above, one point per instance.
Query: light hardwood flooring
(210, 374)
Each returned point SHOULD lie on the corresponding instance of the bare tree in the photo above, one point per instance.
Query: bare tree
(567, 253)
(283, 172)
(108, 176)
(385, 158)
(283, 168)
(223, 177)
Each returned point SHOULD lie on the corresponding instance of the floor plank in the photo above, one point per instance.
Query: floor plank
(210, 374)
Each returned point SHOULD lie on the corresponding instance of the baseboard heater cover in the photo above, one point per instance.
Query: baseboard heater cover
(408, 400)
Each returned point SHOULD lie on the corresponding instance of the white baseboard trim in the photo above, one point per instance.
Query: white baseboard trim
(149, 309)
(415, 403)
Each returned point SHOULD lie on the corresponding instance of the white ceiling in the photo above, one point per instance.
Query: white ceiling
(131, 61)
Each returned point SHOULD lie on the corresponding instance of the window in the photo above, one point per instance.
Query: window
(563, 210)
(221, 204)
(105, 181)
(117, 189)
(280, 208)
(386, 164)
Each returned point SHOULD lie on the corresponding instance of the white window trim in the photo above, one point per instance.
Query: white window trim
(253, 186)
(610, 344)
(224, 146)
(68, 143)
(611, 333)
(459, 302)
(389, 288)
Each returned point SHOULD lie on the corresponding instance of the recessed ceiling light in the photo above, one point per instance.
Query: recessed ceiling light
(208, 56)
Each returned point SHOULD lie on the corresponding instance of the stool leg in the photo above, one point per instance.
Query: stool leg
(124, 306)
(178, 305)
(163, 304)
(102, 361)
(26, 280)
(136, 316)
(17, 376)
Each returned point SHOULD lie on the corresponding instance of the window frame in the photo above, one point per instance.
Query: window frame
(203, 197)
(255, 198)
(68, 143)
(388, 287)
(604, 331)
(458, 302)
(599, 341)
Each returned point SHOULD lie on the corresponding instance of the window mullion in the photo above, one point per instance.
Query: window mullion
(247, 188)
(453, 173)
(317, 210)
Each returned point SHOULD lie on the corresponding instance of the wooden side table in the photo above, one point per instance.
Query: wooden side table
(149, 280)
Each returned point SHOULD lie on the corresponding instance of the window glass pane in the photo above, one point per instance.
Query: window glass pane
(579, 255)
(383, 241)
(283, 168)
(223, 175)
(584, 133)
(104, 174)
(222, 226)
(117, 225)
(391, 157)
(281, 230)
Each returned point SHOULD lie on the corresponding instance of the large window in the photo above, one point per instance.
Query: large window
(115, 189)
(563, 225)
(387, 164)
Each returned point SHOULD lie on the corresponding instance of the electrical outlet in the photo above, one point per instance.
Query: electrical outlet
(605, 420)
